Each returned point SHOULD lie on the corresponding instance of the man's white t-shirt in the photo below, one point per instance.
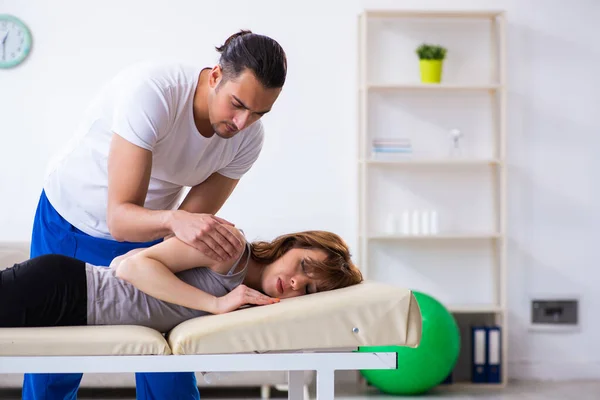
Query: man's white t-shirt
(151, 106)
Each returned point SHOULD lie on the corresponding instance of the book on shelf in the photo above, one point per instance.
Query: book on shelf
(390, 147)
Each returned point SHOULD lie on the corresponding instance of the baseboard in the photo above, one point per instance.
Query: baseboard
(554, 371)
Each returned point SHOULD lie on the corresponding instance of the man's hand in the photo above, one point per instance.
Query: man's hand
(239, 297)
(206, 233)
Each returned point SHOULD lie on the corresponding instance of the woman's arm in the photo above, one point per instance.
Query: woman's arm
(117, 260)
(157, 280)
(153, 270)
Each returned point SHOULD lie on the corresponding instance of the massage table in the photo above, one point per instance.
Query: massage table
(319, 332)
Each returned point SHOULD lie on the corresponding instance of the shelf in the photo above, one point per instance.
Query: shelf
(433, 161)
(432, 86)
(474, 309)
(393, 96)
(484, 14)
(442, 236)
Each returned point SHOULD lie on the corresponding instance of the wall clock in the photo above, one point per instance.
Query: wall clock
(15, 41)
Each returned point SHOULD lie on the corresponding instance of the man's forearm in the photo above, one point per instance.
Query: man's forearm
(132, 223)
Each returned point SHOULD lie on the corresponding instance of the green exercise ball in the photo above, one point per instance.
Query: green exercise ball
(422, 368)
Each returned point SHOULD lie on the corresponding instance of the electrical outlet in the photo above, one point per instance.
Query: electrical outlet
(555, 314)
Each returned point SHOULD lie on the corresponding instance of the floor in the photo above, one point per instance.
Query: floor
(518, 390)
(515, 390)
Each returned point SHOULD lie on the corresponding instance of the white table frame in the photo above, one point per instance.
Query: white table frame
(325, 364)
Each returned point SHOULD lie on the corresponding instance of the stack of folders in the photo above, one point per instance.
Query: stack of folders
(486, 355)
(390, 147)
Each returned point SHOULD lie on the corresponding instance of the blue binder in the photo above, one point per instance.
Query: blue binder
(494, 354)
(479, 354)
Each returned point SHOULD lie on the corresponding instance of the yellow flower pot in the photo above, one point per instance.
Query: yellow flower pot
(431, 71)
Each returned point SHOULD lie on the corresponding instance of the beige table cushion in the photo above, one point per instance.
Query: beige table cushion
(82, 341)
(362, 315)
(74, 341)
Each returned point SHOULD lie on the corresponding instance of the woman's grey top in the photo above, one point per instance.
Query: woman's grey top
(113, 301)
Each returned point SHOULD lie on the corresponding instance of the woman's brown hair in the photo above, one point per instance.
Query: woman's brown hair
(337, 271)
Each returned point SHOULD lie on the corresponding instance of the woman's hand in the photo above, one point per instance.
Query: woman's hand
(239, 297)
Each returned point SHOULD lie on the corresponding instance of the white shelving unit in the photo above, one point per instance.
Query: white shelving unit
(396, 184)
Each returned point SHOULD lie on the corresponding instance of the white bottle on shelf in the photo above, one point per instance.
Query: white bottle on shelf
(405, 228)
(415, 223)
(425, 222)
(433, 223)
(455, 148)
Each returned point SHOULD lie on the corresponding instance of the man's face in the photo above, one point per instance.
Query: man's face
(236, 103)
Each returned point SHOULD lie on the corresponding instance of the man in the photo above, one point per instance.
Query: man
(152, 132)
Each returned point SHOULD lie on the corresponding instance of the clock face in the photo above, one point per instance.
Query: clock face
(15, 41)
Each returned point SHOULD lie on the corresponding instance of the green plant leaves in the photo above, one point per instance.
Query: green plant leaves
(431, 52)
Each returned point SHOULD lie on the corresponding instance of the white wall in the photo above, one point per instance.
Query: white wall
(306, 176)
(79, 45)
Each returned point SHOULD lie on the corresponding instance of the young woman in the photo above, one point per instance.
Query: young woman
(170, 282)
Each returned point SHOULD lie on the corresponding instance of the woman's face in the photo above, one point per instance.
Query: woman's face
(287, 277)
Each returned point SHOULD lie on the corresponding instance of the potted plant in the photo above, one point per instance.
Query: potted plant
(431, 59)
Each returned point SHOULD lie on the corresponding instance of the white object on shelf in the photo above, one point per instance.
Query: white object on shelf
(415, 223)
(455, 148)
(425, 226)
(405, 223)
(433, 223)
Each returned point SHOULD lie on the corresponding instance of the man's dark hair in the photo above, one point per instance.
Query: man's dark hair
(258, 53)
